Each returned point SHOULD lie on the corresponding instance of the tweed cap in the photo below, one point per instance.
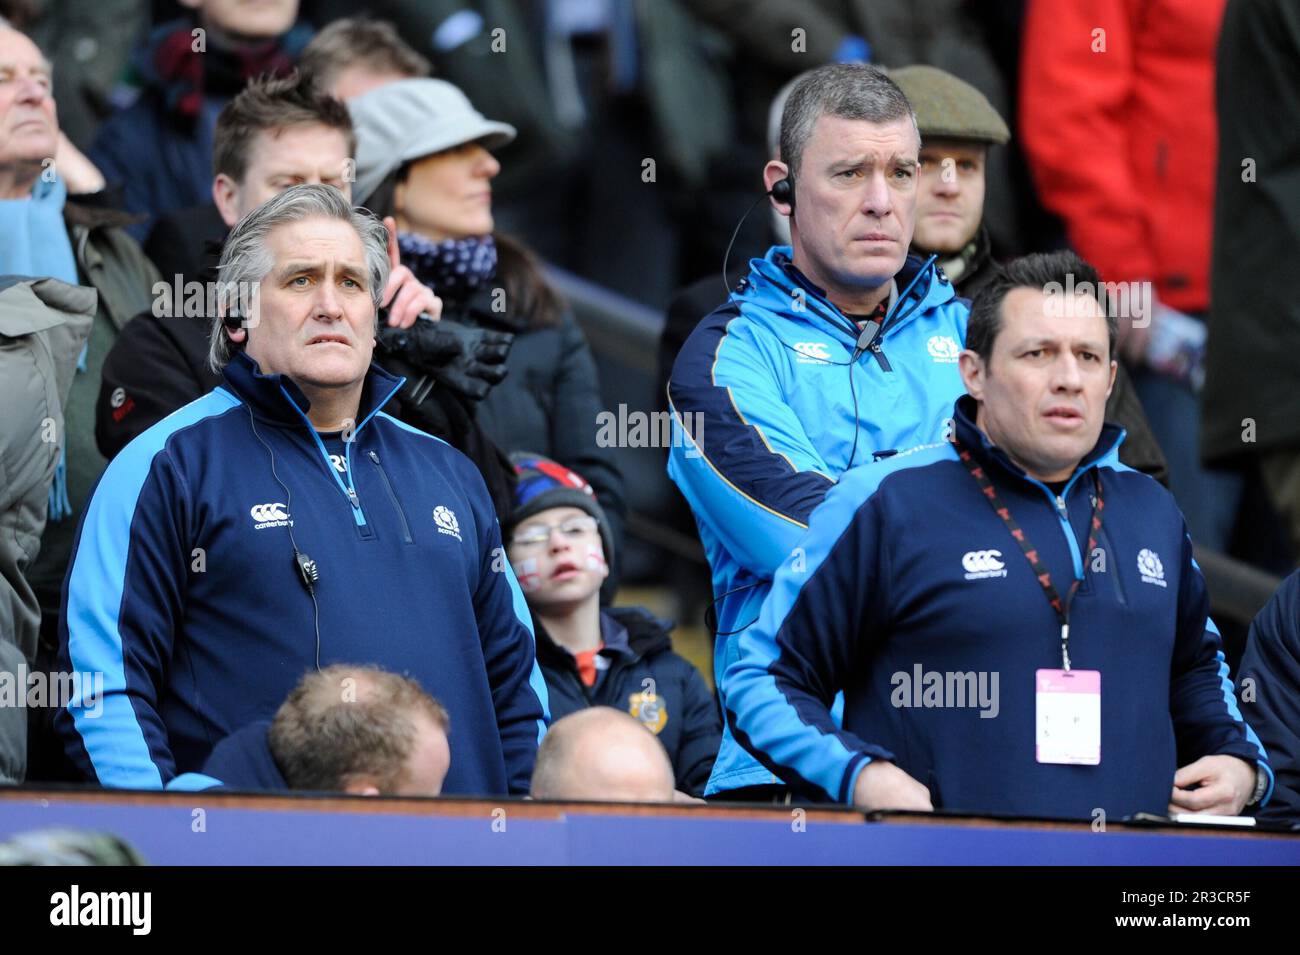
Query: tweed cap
(949, 108)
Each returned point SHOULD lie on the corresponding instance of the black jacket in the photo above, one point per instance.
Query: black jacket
(548, 402)
(1251, 372)
(1270, 703)
(646, 679)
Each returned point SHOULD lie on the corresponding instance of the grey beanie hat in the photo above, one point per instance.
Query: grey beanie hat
(406, 120)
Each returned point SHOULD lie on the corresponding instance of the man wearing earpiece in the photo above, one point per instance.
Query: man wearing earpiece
(832, 350)
(284, 522)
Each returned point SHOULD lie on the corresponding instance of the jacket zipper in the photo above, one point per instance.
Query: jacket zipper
(406, 528)
(1058, 505)
(349, 490)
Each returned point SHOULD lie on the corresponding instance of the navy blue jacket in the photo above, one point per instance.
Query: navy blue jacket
(243, 760)
(906, 566)
(1271, 700)
(646, 678)
(184, 592)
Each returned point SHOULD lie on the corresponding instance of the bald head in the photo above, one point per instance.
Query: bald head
(602, 754)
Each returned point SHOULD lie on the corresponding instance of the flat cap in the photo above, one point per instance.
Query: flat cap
(948, 107)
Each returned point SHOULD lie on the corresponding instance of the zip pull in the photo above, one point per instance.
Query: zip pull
(373, 457)
(352, 496)
(1060, 505)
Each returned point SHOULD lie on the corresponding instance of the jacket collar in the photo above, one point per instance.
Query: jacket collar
(772, 280)
(277, 399)
(1104, 452)
(628, 633)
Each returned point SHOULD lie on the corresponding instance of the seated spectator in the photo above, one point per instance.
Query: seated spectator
(423, 157)
(1002, 609)
(43, 327)
(353, 56)
(557, 539)
(159, 149)
(602, 754)
(283, 522)
(57, 222)
(352, 729)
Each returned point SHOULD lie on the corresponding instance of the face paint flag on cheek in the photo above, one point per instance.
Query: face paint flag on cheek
(529, 577)
(595, 557)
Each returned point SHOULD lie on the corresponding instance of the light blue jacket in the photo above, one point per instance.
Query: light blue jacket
(763, 396)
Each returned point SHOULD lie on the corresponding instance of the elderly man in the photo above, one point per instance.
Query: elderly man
(1004, 609)
(284, 521)
(601, 753)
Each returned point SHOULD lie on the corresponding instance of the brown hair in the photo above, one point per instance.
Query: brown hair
(355, 40)
(273, 103)
(346, 721)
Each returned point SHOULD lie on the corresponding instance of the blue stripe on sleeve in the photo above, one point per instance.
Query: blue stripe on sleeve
(114, 740)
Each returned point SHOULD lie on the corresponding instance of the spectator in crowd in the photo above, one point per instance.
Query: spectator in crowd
(829, 352)
(89, 45)
(958, 127)
(913, 577)
(57, 224)
(1269, 689)
(284, 522)
(1251, 376)
(44, 324)
(1118, 122)
(353, 56)
(558, 539)
(346, 728)
(423, 156)
(346, 58)
(276, 133)
(159, 149)
(602, 754)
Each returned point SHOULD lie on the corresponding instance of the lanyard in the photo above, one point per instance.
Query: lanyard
(1062, 608)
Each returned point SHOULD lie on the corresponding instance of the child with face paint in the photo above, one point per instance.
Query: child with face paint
(559, 545)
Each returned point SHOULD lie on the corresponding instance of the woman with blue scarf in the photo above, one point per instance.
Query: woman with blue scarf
(423, 157)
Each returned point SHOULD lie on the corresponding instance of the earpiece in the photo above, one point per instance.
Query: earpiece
(783, 191)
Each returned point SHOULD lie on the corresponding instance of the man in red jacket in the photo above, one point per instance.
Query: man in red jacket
(1118, 124)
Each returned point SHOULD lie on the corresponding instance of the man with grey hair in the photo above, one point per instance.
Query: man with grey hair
(833, 351)
(283, 522)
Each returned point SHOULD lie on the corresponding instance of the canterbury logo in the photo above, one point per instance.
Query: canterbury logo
(812, 352)
(268, 515)
(980, 564)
